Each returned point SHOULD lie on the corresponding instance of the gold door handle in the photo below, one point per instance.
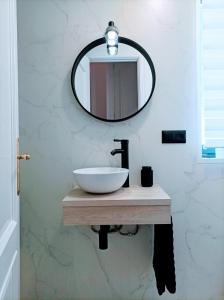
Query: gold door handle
(22, 156)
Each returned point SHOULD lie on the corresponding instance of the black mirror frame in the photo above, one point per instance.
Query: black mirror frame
(101, 41)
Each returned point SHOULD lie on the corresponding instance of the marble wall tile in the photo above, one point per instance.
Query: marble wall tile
(64, 263)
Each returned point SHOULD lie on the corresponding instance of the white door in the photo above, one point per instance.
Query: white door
(9, 201)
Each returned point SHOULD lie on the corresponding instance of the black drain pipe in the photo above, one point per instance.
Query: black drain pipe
(103, 236)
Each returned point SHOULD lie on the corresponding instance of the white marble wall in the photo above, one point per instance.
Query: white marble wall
(64, 263)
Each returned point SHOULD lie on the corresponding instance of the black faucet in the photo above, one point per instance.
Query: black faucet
(124, 156)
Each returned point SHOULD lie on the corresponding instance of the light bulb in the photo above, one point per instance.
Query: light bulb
(112, 35)
(112, 50)
(111, 42)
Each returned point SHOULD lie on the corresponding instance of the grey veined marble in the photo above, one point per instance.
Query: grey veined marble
(59, 263)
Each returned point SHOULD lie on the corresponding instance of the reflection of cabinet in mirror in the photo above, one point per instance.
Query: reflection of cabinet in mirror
(113, 89)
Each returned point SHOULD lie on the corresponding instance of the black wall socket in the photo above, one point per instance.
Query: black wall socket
(174, 136)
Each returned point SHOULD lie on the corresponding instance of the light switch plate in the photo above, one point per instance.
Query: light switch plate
(174, 136)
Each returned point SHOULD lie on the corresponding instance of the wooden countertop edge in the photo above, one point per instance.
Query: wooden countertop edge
(112, 203)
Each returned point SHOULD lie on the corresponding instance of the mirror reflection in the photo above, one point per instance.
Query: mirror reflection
(113, 87)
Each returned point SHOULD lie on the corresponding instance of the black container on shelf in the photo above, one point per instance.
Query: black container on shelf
(147, 176)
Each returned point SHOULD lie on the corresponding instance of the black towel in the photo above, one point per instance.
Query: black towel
(163, 258)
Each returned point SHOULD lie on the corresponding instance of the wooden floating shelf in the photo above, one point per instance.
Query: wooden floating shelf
(133, 205)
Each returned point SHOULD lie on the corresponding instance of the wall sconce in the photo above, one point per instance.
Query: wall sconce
(111, 35)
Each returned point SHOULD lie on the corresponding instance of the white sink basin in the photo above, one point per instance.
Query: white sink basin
(101, 180)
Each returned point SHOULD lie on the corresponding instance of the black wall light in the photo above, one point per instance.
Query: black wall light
(111, 35)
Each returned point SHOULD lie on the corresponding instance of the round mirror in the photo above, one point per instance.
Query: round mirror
(113, 87)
